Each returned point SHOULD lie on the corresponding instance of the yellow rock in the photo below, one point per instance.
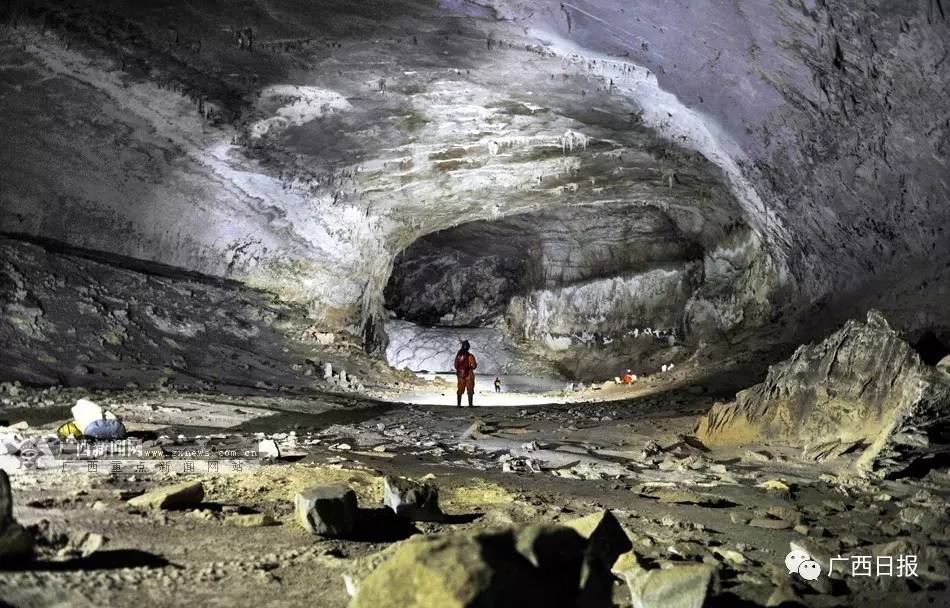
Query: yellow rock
(775, 485)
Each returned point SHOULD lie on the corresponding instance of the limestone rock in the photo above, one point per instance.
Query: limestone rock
(88, 543)
(267, 448)
(757, 456)
(15, 542)
(681, 496)
(729, 555)
(358, 569)
(530, 566)
(179, 496)
(607, 539)
(770, 524)
(684, 586)
(548, 546)
(250, 520)
(414, 501)
(829, 449)
(863, 384)
(775, 485)
(326, 510)
(739, 518)
(786, 513)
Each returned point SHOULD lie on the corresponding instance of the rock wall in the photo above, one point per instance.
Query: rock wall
(305, 163)
(184, 147)
(862, 388)
(833, 111)
(582, 269)
(433, 349)
(739, 288)
(462, 276)
(612, 307)
(77, 318)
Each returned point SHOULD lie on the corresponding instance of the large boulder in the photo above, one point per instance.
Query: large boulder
(538, 565)
(15, 542)
(329, 511)
(863, 387)
(607, 540)
(683, 586)
(412, 500)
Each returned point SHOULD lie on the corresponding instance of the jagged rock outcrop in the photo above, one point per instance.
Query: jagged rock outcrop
(538, 565)
(863, 387)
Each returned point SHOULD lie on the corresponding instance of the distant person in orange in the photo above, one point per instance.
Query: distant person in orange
(465, 365)
(628, 377)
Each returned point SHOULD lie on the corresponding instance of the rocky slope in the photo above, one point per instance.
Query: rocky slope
(80, 318)
(863, 388)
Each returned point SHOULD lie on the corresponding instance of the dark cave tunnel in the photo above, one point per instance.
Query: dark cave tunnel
(468, 275)
(931, 348)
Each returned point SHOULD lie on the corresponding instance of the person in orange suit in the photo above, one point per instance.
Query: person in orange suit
(465, 365)
(628, 377)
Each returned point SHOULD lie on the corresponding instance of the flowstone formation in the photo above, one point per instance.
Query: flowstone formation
(863, 388)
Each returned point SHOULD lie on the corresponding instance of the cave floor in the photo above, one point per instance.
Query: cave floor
(494, 467)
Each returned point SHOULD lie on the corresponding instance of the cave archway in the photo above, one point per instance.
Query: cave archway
(527, 288)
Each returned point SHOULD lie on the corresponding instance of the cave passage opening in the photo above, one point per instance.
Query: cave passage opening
(542, 294)
(931, 348)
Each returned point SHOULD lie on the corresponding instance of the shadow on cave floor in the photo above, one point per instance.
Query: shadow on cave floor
(101, 560)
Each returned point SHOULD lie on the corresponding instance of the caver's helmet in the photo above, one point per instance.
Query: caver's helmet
(465, 345)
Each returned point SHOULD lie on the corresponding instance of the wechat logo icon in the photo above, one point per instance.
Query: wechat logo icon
(797, 561)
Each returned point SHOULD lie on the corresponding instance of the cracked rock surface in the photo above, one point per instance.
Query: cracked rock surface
(863, 388)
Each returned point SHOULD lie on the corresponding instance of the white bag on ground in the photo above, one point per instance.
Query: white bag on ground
(85, 412)
(93, 421)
